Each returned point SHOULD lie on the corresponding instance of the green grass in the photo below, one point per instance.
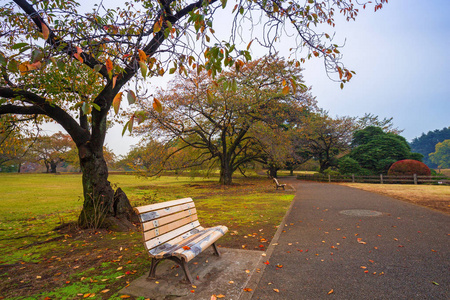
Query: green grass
(40, 262)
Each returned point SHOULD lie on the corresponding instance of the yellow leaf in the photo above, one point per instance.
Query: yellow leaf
(220, 296)
(45, 31)
(142, 56)
(276, 290)
(116, 102)
(157, 27)
(104, 291)
(158, 107)
(285, 90)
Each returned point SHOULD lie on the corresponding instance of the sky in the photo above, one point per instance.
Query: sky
(400, 56)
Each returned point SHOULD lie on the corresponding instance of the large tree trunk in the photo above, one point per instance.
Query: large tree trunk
(102, 208)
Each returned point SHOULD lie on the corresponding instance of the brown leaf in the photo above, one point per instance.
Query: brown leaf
(45, 31)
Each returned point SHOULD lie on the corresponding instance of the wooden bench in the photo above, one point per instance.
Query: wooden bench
(171, 231)
(278, 185)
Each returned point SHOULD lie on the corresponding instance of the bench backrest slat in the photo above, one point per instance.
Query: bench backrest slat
(190, 213)
(167, 221)
(152, 207)
(148, 235)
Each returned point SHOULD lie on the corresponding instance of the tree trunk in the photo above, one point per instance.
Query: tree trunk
(53, 166)
(273, 171)
(101, 208)
(226, 172)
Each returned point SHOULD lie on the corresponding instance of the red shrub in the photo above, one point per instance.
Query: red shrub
(409, 167)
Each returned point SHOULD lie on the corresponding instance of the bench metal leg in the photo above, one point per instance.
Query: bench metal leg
(216, 250)
(154, 264)
(178, 261)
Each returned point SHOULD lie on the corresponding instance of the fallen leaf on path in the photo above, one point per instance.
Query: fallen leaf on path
(248, 290)
(330, 292)
(276, 290)
(361, 241)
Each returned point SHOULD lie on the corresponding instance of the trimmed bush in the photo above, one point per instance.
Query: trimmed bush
(409, 167)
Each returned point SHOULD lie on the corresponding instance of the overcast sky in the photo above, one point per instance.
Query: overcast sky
(401, 58)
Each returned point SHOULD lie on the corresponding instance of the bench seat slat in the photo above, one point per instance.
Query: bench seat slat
(170, 235)
(162, 205)
(165, 249)
(205, 240)
(170, 218)
(198, 242)
(161, 230)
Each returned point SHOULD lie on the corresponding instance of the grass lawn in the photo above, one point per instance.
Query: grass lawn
(432, 196)
(38, 262)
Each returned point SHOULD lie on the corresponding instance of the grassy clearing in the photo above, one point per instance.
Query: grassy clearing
(432, 196)
(37, 262)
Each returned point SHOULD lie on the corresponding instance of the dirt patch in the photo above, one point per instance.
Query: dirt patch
(434, 197)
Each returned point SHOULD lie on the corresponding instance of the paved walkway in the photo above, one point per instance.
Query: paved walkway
(343, 243)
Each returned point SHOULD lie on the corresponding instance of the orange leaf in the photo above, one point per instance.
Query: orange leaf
(124, 296)
(45, 31)
(184, 247)
(276, 290)
(116, 102)
(285, 90)
(142, 56)
(109, 65)
(114, 80)
(266, 262)
(158, 107)
(330, 292)
(248, 290)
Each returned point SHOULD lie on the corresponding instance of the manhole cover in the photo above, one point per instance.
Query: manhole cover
(361, 213)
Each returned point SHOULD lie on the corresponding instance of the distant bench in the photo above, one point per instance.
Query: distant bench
(278, 185)
(171, 231)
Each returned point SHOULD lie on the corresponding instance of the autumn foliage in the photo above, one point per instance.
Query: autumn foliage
(409, 167)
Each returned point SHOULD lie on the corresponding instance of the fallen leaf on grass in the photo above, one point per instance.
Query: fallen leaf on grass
(104, 291)
(124, 296)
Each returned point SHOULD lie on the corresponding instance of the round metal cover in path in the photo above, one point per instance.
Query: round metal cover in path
(361, 213)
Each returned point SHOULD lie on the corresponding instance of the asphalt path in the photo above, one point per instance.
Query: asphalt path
(338, 242)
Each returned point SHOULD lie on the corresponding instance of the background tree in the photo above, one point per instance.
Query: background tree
(376, 150)
(325, 138)
(235, 119)
(73, 68)
(441, 157)
(52, 150)
(426, 143)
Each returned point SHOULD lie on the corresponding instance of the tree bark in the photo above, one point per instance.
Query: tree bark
(226, 172)
(102, 208)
